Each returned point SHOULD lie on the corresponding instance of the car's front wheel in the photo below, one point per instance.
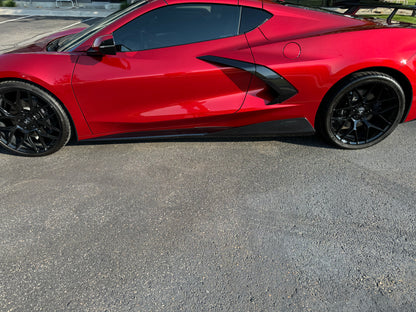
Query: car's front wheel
(362, 111)
(32, 122)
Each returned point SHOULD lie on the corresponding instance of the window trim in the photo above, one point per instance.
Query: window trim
(258, 9)
(238, 33)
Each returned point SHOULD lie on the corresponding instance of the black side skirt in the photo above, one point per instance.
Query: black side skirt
(286, 127)
(297, 126)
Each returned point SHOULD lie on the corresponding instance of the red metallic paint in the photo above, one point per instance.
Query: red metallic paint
(169, 88)
(161, 88)
(39, 45)
(52, 72)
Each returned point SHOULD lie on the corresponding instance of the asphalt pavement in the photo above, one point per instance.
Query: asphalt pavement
(286, 224)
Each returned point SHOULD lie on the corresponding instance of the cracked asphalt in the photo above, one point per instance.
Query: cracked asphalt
(289, 224)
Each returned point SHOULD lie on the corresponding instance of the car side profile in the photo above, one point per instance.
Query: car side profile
(210, 68)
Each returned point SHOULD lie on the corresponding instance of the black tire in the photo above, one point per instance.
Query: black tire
(362, 111)
(32, 122)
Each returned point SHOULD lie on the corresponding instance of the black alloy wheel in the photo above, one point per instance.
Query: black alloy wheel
(32, 122)
(363, 111)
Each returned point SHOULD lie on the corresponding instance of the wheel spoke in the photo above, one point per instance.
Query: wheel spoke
(6, 101)
(8, 129)
(22, 141)
(47, 135)
(11, 135)
(387, 100)
(42, 141)
(371, 125)
(48, 125)
(356, 137)
(360, 97)
(343, 108)
(384, 119)
(390, 108)
(3, 99)
(367, 133)
(350, 104)
(378, 97)
(338, 118)
(18, 102)
(6, 114)
(369, 91)
(48, 116)
(342, 124)
(29, 96)
(347, 134)
(32, 144)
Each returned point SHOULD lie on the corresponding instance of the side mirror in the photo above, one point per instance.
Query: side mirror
(103, 45)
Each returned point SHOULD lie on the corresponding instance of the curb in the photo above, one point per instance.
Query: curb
(59, 12)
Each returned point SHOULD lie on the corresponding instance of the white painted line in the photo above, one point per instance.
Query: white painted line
(16, 19)
(40, 36)
(69, 26)
(88, 19)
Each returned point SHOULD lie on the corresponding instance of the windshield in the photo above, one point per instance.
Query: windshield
(72, 41)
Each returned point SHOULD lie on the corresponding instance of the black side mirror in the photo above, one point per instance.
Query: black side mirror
(103, 45)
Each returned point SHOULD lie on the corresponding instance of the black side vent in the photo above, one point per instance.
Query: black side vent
(282, 88)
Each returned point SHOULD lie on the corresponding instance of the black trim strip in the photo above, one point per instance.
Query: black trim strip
(295, 126)
(285, 127)
(283, 89)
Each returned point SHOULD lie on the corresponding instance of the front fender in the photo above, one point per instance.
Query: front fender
(52, 72)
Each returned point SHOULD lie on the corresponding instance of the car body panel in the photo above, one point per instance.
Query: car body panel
(39, 45)
(161, 88)
(170, 88)
(41, 69)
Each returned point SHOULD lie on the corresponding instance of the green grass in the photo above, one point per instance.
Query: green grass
(398, 18)
(312, 3)
(319, 3)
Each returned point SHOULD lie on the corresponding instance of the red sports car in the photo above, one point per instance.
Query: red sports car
(166, 68)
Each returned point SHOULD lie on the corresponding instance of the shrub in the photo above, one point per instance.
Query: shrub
(124, 4)
(8, 3)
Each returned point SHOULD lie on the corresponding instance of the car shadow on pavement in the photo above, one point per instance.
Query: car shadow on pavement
(313, 141)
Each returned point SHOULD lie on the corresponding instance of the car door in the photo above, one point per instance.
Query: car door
(156, 81)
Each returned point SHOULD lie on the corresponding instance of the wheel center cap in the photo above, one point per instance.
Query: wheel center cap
(27, 121)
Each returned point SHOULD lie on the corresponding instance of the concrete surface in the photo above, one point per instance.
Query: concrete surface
(56, 12)
(19, 30)
(263, 225)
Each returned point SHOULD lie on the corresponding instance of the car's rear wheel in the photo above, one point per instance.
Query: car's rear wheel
(32, 122)
(362, 111)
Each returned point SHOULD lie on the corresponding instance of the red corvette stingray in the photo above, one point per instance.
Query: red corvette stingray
(219, 68)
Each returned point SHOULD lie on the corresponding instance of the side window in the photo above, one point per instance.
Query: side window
(252, 18)
(178, 24)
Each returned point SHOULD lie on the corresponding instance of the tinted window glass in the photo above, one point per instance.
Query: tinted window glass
(252, 18)
(178, 24)
(71, 41)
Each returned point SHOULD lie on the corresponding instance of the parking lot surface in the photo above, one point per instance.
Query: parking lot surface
(17, 30)
(286, 224)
